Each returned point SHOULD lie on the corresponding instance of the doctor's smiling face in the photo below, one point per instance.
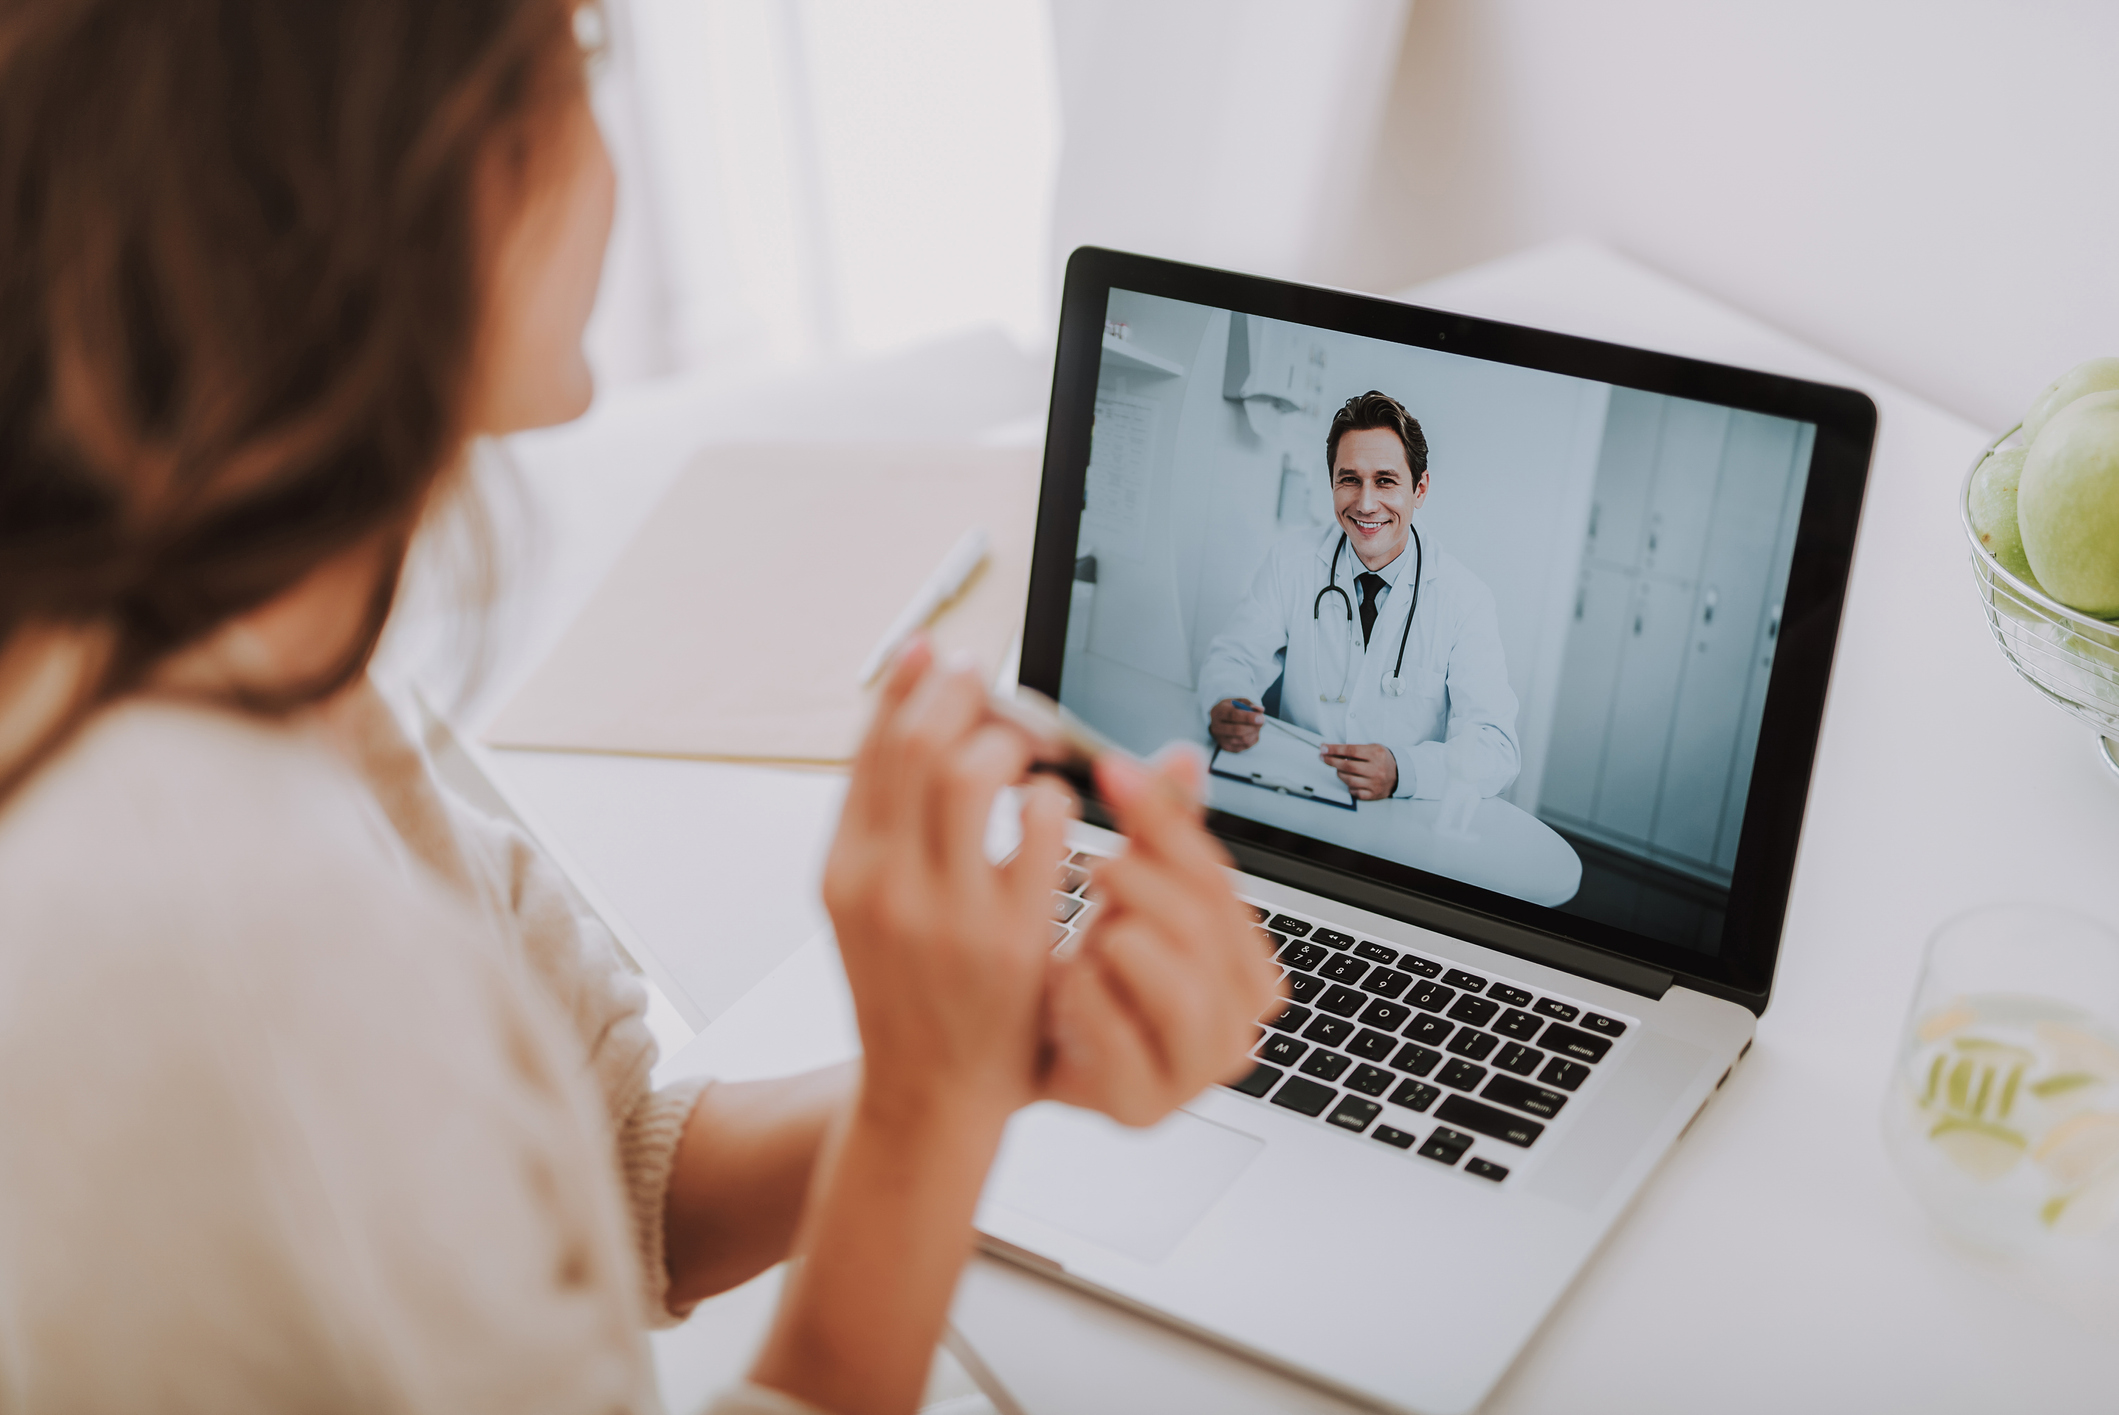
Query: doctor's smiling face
(1374, 493)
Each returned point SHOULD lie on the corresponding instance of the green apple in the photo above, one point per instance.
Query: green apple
(2090, 376)
(2067, 505)
(1993, 506)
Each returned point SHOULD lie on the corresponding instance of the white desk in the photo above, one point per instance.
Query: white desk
(1774, 1263)
(1505, 848)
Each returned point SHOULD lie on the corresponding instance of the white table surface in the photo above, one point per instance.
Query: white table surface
(1774, 1262)
(1503, 847)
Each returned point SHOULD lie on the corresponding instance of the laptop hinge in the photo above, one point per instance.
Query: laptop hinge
(1467, 924)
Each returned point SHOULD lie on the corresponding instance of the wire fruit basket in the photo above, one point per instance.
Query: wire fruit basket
(2071, 657)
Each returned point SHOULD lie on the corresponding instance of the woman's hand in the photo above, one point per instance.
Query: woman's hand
(1161, 996)
(945, 951)
(947, 955)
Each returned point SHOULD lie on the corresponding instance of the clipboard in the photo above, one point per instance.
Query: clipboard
(1285, 760)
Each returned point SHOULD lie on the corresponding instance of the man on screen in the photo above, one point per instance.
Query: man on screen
(1404, 704)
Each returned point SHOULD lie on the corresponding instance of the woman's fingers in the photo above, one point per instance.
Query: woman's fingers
(1158, 811)
(922, 738)
(1047, 807)
(1184, 1026)
(875, 776)
(1102, 1058)
(984, 761)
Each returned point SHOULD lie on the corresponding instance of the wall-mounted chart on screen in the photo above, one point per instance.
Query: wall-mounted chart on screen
(1495, 623)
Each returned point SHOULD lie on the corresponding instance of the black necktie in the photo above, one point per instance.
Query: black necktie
(1371, 585)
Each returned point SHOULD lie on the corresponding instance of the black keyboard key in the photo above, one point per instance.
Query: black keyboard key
(1304, 957)
(1071, 879)
(1372, 1080)
(1569, 1042)
(1470, 982)
(1325, 1065)
(1553, 1007)
(1341, 999)
(1474, 1044)
(1415, 1058)
(1425, 967)
(1487, 1169)
(1281, 1050)
(1462, 1075)
(1376, 952)
(1386, 982)
(1567, 1075)
(1305, 987)
(1344, 968)
(1475, 1010)
(1258, 1082)
(1431, 997)
(1329, 1030)
(1446, 1145)
(1333, 937)
(1353, 1113)
(1518, 1025)
(1388, 1015)
(1257, 913)
(1290, 926)
(1392, 1137)
(1519, 1058)
(1372, 1045)
(1287, 1018)
(1514, 997)
(1487, 1120)
(1599, 1023)
(1303, 1095)
(1429, 1029)
(1414, 1095)
(1524, 1096)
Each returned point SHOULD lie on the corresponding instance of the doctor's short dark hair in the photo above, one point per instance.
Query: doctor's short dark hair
(1365, 411)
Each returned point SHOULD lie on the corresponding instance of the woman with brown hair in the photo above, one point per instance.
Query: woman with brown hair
(317, 1091)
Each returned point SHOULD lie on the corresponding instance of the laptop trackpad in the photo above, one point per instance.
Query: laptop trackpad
(1135, 1191)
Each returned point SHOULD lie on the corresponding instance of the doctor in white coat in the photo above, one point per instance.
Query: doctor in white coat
(1389, 645)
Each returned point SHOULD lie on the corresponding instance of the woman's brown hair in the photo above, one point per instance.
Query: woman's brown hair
(241, 269)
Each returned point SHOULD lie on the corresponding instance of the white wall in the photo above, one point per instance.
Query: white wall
(1512, 454)
(1220, 132)
(804, 179)
(1926, 188)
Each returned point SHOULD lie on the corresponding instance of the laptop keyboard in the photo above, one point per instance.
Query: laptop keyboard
(1460, 1068)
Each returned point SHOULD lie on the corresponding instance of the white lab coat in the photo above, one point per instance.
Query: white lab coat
(1456, 704)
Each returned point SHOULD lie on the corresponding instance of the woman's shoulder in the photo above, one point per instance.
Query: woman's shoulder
(178, 828)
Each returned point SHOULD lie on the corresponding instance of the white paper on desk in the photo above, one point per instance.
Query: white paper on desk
(733, 626)
(1286, 758)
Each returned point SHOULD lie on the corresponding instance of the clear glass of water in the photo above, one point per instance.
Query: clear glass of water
(2003, 1110)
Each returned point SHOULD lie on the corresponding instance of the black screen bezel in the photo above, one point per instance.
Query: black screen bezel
(1742, 969)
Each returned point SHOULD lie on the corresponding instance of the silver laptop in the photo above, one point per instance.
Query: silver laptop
(1526, 944)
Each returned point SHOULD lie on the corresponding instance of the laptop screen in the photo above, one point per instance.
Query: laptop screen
(1509, 627)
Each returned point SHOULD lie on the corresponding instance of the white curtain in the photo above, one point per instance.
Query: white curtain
(806, 179)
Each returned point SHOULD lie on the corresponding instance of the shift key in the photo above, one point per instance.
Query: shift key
(1488, 1120)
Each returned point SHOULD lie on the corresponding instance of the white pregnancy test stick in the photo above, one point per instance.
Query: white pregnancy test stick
(949, 576)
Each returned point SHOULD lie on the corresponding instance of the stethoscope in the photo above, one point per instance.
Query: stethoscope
(1395, 687)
